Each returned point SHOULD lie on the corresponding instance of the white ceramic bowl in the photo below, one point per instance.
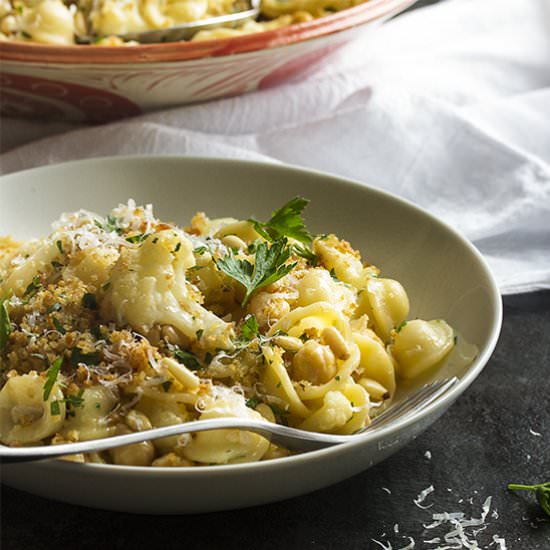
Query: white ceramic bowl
(443, 274)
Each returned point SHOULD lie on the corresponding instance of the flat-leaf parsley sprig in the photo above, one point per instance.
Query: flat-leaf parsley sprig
(287, 221)
(269, 266)
(541, 490)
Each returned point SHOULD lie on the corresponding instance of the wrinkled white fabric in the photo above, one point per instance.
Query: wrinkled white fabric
(448, 106)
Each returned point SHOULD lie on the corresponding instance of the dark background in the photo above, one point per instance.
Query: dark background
(482, 443)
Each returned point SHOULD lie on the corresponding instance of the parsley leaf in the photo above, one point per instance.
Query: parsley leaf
(53, 308)
(287, 221)
(188, 359)
(269, 266)
(250, 328)
(51, 377)
(5, 323)
(277, 411)
(89, 301)
(252, 403)
(111, 224)
(401, 326)
(54, 408)
(77, 357)
(75, 400)
(34, 286)
(541, 490)
(137, 239)
(58, 326)
(72, 402)
(306, 253)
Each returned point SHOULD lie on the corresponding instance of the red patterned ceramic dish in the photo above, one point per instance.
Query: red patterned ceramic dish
(99, 84)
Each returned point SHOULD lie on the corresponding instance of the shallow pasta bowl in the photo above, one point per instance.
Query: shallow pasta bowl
(99, 84)
(444, 275)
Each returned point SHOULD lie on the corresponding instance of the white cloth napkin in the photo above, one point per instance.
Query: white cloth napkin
(448, 106)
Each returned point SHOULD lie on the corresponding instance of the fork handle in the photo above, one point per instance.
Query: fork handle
(289, 437)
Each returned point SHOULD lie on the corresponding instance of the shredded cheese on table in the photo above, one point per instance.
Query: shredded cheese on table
(454, 530)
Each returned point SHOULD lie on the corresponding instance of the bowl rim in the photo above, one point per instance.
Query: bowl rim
(441, 403)
(368, 11)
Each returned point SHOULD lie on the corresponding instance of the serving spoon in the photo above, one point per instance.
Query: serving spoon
(290, 438)
(185, 31)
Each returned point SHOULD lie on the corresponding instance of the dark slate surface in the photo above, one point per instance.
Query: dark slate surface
(480, 444)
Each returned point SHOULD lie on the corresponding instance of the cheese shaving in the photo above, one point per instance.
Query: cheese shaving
(500, 542)
(382, 545)
(461, 531)
(409, 546)
(422, 497)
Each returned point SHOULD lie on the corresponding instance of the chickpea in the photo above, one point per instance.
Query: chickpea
(137, 421)
(232, 241)
(337, 344)
(268, 308)
(137, 454)
(314, 362)
(154, 336)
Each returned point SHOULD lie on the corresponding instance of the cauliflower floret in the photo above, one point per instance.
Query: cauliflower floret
(148, 286)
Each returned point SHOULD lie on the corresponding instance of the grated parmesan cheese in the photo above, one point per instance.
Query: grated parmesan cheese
(499, 541)
(422, 497)
(460, 533)
(382, 545)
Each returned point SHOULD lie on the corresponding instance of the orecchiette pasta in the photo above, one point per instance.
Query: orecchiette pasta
(25, 415)
(122, 323)
(105, 22)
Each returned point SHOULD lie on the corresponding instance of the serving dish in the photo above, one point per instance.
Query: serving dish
(445, 275)
(102, 83)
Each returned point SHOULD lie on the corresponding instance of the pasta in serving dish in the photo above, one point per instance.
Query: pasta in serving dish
(65, 22)
(123, 323)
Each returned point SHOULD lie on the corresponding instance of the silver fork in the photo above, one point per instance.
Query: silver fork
(290, 438)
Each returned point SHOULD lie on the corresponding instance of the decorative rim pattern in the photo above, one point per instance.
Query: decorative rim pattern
(180, 51)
